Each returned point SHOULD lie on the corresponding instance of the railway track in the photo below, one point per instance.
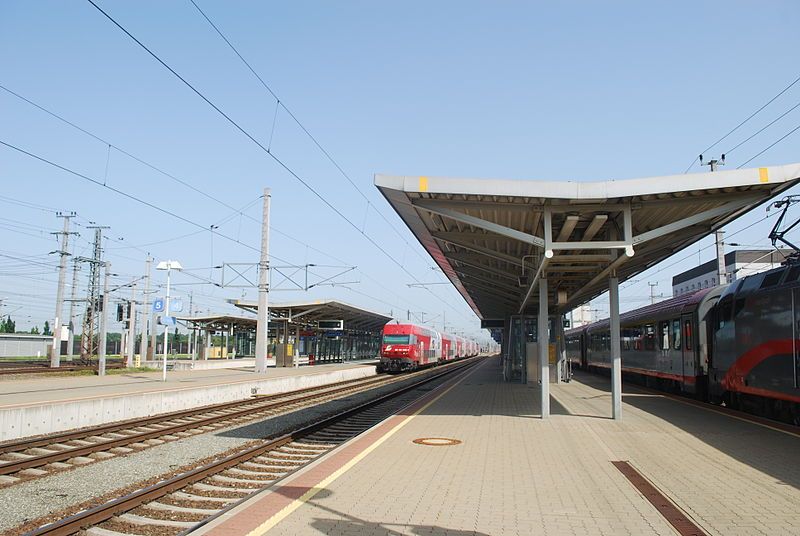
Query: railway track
(178, 504)
(31, 368)
(27, 459)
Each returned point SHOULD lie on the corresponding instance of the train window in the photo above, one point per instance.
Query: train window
(793, 274)
(738, 305)
(676, 334)
(395, 339)
(687, 333)
(771, 279)
(664, 335)
(751, 283)
(649, 337)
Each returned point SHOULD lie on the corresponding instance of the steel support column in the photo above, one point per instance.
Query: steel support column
(544, 339)
(616, 357)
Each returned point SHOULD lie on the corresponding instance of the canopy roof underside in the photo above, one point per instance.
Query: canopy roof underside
(309, 313)
(490, 236)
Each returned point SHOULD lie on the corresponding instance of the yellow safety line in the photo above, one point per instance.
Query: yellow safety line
(297, 503)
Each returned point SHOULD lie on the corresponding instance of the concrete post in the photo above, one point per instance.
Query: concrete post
(262, 324)
(55, 353)
(544, 340)
(616, 353)
(146, 311)
(101, 351)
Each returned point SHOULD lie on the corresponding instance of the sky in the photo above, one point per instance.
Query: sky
(518, 90)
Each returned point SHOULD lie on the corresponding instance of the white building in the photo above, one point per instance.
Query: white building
(738, 263)
(581, 316)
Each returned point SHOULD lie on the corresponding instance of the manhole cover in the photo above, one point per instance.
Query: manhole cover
(437, 441)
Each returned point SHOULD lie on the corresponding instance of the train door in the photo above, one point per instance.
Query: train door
(690, 351)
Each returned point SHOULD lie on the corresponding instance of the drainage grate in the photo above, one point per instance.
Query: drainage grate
(437, 441)
(671, 513)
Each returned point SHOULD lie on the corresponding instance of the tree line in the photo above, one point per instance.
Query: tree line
(7, 325)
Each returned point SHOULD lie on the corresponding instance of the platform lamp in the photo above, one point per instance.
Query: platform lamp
(168, 266)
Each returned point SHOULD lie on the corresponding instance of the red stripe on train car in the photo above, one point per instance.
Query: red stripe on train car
(744, 364)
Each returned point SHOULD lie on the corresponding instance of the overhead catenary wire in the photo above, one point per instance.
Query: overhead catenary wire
(692, 254)
(282, 104)
(770, 146)
(734, 129)
(277, 160)
(186, 183)
(762, 129)
(133, 198)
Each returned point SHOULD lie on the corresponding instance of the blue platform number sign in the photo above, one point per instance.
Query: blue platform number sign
(158, 305)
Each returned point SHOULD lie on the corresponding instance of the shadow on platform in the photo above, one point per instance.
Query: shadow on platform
(343, 524)
(767, 450)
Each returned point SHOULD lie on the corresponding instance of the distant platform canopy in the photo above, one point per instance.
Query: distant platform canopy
(494, 239)
(310, 313)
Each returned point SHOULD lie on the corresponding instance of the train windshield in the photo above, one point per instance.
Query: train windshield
(395, 339)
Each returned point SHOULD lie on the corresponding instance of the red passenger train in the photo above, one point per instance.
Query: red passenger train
(408, 347)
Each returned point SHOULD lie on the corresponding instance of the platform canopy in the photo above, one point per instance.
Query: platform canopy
(494, 238)
(310, 313)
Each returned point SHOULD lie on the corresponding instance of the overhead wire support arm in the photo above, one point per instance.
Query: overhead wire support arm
(775, 234)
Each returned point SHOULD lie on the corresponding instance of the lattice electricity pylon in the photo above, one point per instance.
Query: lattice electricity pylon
(94, 301)
(292, 277)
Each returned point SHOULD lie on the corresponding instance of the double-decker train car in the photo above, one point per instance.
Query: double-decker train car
(736, 344)
(407, 347)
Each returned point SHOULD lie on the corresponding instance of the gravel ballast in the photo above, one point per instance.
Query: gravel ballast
(31, 500)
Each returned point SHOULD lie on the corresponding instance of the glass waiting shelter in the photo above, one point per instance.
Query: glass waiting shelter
(317, 332)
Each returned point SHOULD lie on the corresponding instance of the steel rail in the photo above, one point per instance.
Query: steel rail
(21, 444)
(44, 459)
(104, 512)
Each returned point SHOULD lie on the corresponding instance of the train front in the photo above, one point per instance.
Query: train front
(399, 350)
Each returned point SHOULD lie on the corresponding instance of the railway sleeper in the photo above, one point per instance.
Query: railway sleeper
(99, 531)
(246, 483)
(186, 496)
(258, 474)
(155, 505)
(136, 519)
(213, 488)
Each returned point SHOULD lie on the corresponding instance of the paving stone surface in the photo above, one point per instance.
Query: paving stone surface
(514, 474)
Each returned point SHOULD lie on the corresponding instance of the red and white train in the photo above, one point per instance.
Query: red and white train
(410, 347)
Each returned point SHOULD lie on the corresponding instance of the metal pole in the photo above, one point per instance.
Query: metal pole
(101, 351)
(297, 345)
(544, 340)
(131, 329)
(616, 352)
(71, 341)
(722, 274)
(262, 325)
(166, 327)
(55, 355)
(192, 336)
(146, 312)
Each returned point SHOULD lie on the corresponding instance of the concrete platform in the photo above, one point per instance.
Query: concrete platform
(37, 405)
(515, 474)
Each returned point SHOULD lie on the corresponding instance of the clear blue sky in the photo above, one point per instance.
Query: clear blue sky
(577, 91)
